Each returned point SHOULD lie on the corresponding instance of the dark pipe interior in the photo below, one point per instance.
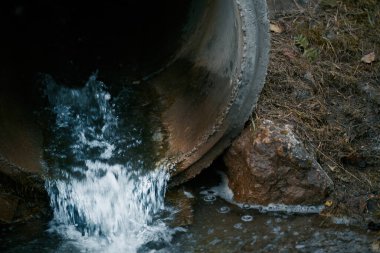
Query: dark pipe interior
(72, 39)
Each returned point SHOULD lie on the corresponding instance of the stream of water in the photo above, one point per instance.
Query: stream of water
(106, 187)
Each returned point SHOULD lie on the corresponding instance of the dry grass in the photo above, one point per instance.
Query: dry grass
(330, 95)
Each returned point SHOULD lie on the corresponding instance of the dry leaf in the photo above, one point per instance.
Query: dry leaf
(369, 58)
(329, 203)
(332, 168)
(276, 28)
(289, 53)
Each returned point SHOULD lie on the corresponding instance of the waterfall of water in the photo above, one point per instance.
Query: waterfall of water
(105, 187)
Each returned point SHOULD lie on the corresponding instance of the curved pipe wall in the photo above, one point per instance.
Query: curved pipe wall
(206, 59)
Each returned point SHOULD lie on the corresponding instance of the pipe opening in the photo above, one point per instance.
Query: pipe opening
(204, 61)
(71, 39)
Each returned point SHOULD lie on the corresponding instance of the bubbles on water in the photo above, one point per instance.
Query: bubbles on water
(289, 209)
(246, 206)
(341, 220)
(262, 209)
(209, 195)
(238, 226)
(224, 209)
(313, 209)
(209, 198)
(278, 220)
(247, 218)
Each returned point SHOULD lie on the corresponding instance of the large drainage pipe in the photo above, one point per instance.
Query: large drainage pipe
(206, 59)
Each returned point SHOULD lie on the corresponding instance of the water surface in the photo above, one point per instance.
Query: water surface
(106, 178)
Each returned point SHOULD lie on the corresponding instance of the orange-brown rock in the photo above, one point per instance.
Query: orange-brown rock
(270, 165)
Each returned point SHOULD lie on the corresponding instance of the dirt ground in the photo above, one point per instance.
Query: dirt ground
(324, 79)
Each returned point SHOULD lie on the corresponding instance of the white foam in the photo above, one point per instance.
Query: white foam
(99, 205)
(223, 191)
(342, 220)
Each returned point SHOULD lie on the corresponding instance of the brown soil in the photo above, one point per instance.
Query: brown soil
(318, 83)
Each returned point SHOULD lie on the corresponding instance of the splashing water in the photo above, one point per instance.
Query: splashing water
(104, 196)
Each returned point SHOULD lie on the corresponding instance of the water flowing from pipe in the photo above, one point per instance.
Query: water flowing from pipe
(106, 188)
